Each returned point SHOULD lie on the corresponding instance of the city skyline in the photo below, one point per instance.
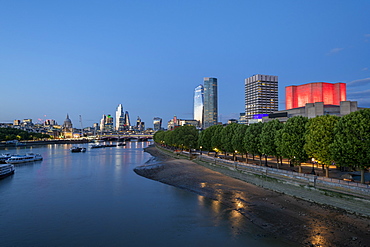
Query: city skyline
(85, 59)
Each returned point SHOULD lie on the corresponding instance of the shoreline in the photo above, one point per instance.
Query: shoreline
(296, 220)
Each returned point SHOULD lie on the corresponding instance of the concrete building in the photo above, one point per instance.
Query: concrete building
(261, 96)
(312, 110)
(328, 93)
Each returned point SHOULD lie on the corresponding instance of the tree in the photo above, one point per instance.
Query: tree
(227, 134)
(216, 141)
(158, 136)
(319, 135)
(205, 138)
(267, 144)
(352, 141)
(252, 139)
(186, 137)
(293, 139)
(237, 139)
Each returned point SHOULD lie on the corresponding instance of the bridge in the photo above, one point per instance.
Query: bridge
(126, 137)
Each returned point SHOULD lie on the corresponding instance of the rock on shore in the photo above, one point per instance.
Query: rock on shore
(303, 222)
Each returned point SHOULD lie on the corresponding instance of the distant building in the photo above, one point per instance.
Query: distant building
(120, 118)
(199, 104)
(157, 123)
(17, 122)
(261, 95)
(127, 124)
(50, 122)
(106, 123)
(175, 122)
(242, 119)
(67, 128)
(210, 115)
(230, 121)
(140, 126)
(328, 93)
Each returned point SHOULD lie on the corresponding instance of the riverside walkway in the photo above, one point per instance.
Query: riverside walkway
(350, 196)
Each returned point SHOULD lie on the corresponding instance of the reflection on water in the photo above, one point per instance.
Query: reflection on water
(95, 199)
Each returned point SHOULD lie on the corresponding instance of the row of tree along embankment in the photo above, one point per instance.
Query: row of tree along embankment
(350, 196)
(326, 140)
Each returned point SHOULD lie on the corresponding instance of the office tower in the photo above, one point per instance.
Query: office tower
(127, 123)
(157, 123)
(199, 104)
(140, 126)
(328, 93)
(210, 115)
(106, 123)
(120, 118)
(261, 96)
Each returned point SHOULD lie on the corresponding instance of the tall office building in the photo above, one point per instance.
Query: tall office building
(127, 123)
(261, 96)
(328, 93)
(120, 118)
(106, 123)
(199, 104)
(157, 123)
(210, 115)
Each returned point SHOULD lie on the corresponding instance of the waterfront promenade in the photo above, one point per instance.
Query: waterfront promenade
(350, 196)
(274, 204)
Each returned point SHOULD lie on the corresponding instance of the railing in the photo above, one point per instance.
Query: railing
(267, 170)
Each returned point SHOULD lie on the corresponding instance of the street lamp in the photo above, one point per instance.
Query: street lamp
(201, 150)
(313, 168)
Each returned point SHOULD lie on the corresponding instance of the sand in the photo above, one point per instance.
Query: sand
(280, 215)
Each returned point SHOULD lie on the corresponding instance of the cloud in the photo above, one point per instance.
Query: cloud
(334, 51)
(360, 82)
(359, 94)
(364, 69)
(367, 35)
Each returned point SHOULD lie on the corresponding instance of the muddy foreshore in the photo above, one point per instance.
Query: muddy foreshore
(283, 216)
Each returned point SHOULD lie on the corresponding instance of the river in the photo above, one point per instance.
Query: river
(96, 199)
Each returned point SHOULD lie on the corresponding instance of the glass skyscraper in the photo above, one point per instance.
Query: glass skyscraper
(210, 115)
(120, 117)
(199, 104)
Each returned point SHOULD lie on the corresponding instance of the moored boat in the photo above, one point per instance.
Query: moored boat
(6, 170)
(4, 157)
(29, 157)
(75, 149)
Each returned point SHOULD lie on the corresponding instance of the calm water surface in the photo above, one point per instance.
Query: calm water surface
(96, 199)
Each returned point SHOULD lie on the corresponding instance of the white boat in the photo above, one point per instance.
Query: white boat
(6, 170)
(4, 157)
(29, 157)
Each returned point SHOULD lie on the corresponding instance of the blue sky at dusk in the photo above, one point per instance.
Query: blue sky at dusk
(86, 57)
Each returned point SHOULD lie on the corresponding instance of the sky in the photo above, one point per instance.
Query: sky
(84, 58)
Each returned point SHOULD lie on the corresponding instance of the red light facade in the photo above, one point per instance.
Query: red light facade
(329, 93)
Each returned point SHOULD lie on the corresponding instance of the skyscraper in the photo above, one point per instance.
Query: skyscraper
(157, 123)
(199, 104)
(210, 115)
(127, 123)
(120, 118)
(261, 96)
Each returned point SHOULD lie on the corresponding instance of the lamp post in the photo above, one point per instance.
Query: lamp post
(313, 168)
(201, 150)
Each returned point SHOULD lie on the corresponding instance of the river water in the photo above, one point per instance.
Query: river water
(96, 199)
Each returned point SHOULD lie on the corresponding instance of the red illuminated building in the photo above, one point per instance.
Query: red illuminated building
(329, 93)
